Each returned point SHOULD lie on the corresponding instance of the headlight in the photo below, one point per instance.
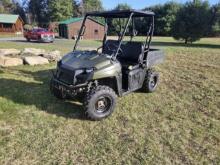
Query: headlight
(83, 75)
(78, 72)
(43, 36)
(89, 70)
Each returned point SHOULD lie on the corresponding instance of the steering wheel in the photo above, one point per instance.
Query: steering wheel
(113, 48)
(99, 48)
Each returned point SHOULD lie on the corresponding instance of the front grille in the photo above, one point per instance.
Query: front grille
(66, 77)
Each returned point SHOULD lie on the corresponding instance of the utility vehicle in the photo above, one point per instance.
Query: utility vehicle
(117, 68)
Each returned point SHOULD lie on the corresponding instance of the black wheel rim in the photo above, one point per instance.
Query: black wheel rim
(103, 104)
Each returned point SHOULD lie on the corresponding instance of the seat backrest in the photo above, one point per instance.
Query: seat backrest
(108, 47)
(132, 51)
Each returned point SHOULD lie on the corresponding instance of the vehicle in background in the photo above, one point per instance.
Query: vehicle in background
(39, 34)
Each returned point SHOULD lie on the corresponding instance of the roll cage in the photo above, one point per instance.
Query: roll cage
(130, 14)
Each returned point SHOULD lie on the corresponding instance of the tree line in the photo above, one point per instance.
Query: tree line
(42, 12)
(188, 22)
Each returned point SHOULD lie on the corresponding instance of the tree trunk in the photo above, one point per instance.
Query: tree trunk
(186, 40)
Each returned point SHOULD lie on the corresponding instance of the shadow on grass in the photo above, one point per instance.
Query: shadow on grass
(38, 94)
(30, 42)
(178, 44)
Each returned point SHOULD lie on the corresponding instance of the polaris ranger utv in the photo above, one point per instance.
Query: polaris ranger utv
(117, 68)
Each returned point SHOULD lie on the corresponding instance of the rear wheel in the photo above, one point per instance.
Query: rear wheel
(100, 102)
(151, 81)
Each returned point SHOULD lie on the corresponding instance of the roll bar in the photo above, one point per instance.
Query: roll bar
(121, 37)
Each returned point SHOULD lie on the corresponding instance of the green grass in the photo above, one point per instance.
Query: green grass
(64, 46)
(178, 124)
(6, 35)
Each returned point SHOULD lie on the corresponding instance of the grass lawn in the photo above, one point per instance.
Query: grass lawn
(6, 35)
(178, 124)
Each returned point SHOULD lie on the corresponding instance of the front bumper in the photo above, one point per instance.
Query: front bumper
(48, 39)
(71, 90)
(71, 82)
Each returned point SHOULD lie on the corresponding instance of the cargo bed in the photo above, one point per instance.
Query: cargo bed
(154, 57)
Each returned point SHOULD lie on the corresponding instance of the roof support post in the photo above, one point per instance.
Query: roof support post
(149, 36)
(105, 34)
(122, 36)
(80, 32)
(148, 42)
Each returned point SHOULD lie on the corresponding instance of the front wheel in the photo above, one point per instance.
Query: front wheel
(28, 39)
(151, 81)
(100, 102)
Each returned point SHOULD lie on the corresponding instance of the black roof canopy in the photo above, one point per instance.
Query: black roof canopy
(121, 13)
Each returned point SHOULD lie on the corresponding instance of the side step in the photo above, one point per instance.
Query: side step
(126, 92)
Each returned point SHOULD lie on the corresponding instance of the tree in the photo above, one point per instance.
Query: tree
(116, 25)
(215, 29)
(2, 9)
(91, 5)
(18, 9)
(165, 16)
(39, 11)
(6, 6)
(76, 9)
(122, 6)
(192, 21)
(60, 9)
(13, 7)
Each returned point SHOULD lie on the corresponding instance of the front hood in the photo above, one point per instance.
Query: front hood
(84, 59)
